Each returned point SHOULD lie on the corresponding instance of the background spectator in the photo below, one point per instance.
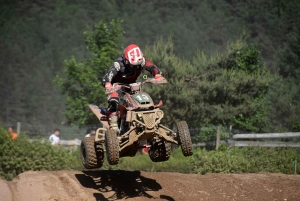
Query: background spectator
(54, 139)
(91, 132)
(12, 133)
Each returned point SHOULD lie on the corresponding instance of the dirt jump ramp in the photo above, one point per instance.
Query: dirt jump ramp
(136, 185)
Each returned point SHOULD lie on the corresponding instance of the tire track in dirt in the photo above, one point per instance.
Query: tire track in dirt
(136, 185)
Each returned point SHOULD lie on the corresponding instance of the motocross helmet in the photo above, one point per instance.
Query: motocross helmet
(133, 55)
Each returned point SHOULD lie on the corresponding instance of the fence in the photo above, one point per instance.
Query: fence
(234, 141)
(261, 139)
(71, 135)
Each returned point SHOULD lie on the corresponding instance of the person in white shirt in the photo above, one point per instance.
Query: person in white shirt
(91, 132)
(54, 139)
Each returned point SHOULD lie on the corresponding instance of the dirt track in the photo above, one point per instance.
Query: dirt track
(114, 185)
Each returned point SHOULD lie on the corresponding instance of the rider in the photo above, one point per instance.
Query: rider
(126, 69)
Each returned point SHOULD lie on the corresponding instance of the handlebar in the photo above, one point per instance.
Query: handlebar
(119, 86)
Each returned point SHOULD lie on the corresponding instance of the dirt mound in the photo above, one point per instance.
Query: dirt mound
(115, 185)
(5, 194)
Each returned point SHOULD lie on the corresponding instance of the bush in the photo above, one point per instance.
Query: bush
(20, 155)
(226, 160)
(245, 160)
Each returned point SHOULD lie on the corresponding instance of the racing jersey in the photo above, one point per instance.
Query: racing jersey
(120, 71)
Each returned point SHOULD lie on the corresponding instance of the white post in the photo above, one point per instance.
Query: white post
(18, 128)
(218, 137)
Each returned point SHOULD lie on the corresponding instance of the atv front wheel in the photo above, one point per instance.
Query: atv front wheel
(92, 156)
(112, 147)
(184, 138)
(159, 151)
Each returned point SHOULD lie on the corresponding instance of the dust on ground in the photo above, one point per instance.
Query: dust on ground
(136, 185)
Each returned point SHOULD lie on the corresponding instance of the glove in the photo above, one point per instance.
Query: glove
(159, 79)
(158, 76)
(110, 91)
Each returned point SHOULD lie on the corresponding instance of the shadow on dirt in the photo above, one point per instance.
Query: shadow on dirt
(118, 184)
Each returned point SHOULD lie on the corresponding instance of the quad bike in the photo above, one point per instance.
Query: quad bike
(139, 121)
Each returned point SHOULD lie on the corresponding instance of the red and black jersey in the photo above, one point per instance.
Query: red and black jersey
(122, 72)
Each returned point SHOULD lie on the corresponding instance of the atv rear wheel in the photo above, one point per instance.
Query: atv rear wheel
(92, 156)
(112, 147)
(159, 151)
(184, 138)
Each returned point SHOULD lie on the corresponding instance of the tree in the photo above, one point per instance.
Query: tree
(288, 57)
(177, 101)
(284, 105)
(82, 80)
(284, 94)
(225, 89)
(36, 37)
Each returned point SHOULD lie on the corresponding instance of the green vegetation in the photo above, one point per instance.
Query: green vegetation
(20, 155)
(83, 79)
(208, 134)
(227, 89)
(232, 85)
(245, 160)
(217, 75)
(226, 160)
(284, 110)
(224, 89)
